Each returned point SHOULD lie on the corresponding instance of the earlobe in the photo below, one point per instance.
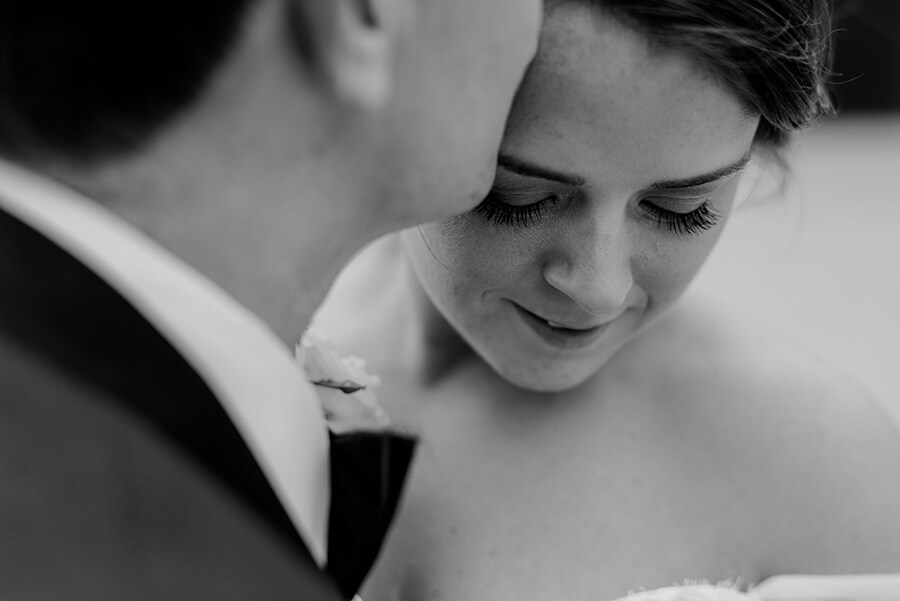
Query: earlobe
(351, 45)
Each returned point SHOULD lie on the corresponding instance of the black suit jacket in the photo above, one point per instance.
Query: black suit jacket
(121, 477)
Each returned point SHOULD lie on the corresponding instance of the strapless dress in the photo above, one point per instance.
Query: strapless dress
(854, 587)
(692, 592)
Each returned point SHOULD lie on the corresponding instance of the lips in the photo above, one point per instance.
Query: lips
(560, 335)
(568, 324)
(562, 326)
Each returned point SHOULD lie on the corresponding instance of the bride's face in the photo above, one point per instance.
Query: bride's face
(619, 164)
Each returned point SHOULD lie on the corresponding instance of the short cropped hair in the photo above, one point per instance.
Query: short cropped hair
(86, 79)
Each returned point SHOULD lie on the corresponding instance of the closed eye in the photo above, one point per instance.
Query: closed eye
(502, 213)
(701, 219)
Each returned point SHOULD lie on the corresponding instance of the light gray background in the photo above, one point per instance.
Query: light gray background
(821, 262)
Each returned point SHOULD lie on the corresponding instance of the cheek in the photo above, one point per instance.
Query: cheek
(474, 257)
(666, 266)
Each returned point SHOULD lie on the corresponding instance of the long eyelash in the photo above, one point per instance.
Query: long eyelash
(699, 220)
(500, 213)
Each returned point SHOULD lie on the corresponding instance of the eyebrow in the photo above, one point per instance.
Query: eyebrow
(699, 180)
(528, 169)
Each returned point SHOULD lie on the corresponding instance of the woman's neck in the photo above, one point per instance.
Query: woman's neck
(440, 346)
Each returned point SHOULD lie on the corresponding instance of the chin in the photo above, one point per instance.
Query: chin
(541, 378)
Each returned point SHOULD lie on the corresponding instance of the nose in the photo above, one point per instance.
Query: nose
(591, 264)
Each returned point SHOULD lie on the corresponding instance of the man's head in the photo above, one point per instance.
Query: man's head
(86, 81)
(423, 86)
(264, 141)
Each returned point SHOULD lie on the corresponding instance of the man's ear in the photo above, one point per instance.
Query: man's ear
(351, 45)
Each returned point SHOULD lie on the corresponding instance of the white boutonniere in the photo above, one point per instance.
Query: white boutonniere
(345, 387)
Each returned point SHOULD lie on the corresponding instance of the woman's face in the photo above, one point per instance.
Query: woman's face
(619, 164)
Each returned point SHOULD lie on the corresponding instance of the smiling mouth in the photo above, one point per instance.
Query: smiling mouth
(558, 335)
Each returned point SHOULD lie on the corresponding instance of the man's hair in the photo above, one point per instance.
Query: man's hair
(83, 80)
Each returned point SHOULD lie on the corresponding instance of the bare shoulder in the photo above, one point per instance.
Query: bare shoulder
(362, 301)
(824, 453)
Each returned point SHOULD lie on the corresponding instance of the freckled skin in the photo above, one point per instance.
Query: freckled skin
(599, 103)
(687, 442)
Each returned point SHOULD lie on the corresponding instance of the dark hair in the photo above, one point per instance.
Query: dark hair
(774, 54)
(85, 79)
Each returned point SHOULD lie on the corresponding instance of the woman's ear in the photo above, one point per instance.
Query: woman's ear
(351, 45)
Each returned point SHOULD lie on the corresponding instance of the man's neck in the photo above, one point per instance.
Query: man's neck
(277, 261)
(268, 198)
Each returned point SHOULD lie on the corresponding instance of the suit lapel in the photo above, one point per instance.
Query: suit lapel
(54, 305)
